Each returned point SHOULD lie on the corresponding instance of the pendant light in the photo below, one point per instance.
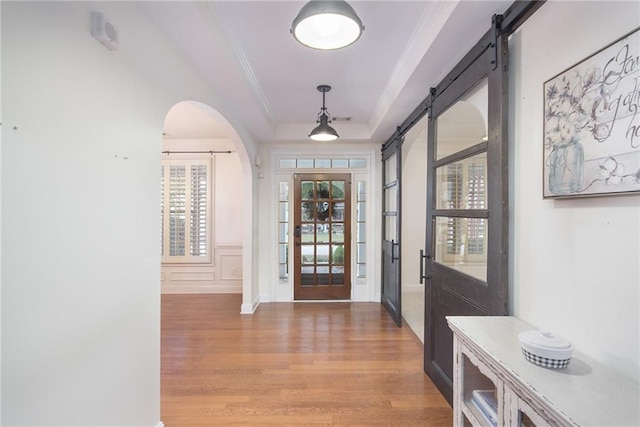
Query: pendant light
(327, 25)
(323, 132)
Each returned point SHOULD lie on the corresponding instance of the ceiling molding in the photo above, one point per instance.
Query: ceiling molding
(219, 11)
(433, 18)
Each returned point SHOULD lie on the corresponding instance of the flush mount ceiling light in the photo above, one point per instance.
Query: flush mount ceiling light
(327, 25)
(323, 132)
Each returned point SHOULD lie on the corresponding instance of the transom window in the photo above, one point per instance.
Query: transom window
(322, 163)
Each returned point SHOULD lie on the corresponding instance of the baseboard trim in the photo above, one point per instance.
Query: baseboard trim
(249, 308)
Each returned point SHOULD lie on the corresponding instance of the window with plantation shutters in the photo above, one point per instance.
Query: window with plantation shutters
(464, 188)
(185, 211)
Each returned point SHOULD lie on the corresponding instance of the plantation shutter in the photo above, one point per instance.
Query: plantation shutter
(186, 205)
(477, 197)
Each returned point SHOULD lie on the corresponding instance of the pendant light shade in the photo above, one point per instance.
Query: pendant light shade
(323, 132)
(327, 25)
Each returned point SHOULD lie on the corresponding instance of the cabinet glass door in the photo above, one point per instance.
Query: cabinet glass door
(479, 394)
(526, 416)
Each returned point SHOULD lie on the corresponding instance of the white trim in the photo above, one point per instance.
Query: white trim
(160, 424)
(249, 308)
(228, 245)
(183, 287)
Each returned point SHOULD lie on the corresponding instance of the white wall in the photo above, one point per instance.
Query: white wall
(575, 262)
(80, 285)
(228, 200)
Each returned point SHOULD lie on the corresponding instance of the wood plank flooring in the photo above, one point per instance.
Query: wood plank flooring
(291, 364)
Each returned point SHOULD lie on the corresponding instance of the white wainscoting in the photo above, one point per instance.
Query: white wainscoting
(223, 276)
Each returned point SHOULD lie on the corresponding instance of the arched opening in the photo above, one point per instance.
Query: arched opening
(206, 205)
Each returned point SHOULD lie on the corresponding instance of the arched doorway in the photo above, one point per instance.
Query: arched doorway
(207, 205)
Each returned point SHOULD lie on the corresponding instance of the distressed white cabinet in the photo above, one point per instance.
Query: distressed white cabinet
(490, 371)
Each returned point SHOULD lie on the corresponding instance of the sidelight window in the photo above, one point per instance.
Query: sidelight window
(283, 229)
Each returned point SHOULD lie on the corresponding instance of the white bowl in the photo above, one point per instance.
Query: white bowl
(545, 349)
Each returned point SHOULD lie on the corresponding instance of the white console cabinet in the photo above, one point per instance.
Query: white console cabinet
(495, 385)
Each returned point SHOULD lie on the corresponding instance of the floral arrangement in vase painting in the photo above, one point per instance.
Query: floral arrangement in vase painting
(592, 124)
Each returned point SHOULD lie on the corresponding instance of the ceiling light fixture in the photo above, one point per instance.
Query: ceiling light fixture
(327, 25)
(323, 132)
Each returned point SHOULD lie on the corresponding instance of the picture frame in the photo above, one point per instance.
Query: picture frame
(592, 124)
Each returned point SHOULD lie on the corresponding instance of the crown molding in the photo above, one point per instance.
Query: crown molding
(219, 11)
(432, 20)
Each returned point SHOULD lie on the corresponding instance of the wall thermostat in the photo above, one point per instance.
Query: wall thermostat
(104, 31)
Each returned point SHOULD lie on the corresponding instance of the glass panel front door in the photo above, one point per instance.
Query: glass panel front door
(321, 236)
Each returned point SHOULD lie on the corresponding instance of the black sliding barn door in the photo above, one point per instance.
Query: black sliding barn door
(467, 201)
(391, 173)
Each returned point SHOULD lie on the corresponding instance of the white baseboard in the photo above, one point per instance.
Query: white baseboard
(160, 424)
(249, 308)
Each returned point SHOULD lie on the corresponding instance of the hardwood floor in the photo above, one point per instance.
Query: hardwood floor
(291, 364)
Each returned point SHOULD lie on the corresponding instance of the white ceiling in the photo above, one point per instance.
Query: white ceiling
(268, 81)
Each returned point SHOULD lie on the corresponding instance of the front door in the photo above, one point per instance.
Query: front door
(467, 206)
(322, 236)
(391, 173)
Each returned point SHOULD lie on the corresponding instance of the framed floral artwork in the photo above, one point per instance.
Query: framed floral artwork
(592, 124)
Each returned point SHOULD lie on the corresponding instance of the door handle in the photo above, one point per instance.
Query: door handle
(422, 258)
(393, 245)
(297, 232)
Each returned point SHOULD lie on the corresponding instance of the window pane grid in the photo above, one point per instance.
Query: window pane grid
(324, 163)
(283, 230)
